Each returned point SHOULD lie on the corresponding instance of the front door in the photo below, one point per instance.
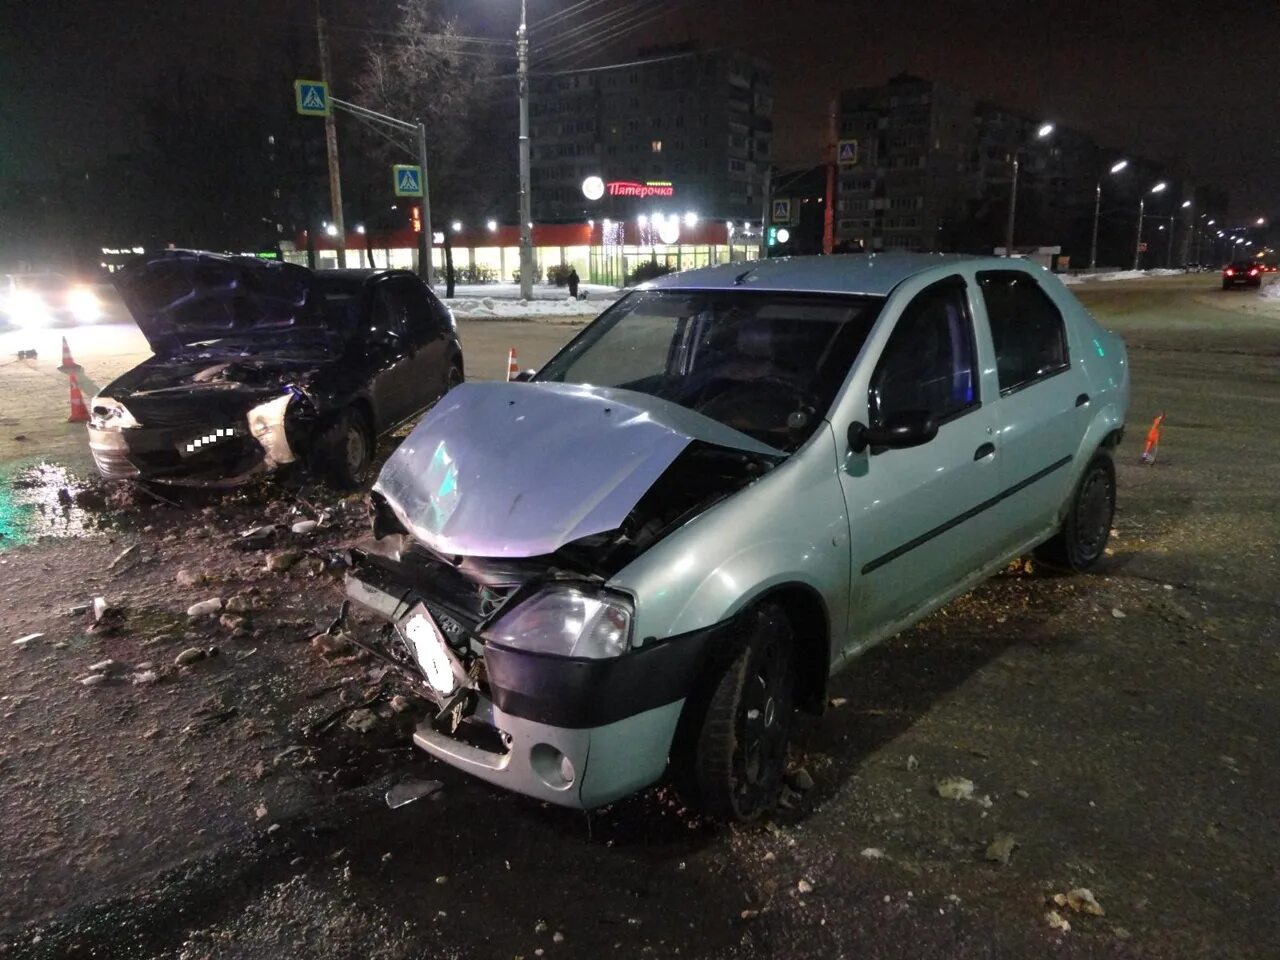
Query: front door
(916, 527)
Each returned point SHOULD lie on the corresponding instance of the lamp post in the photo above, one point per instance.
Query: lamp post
(1045, 130)
(1142, 208)
(526, 216)
(1097, 208)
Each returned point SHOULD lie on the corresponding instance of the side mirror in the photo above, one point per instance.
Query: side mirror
(910, 428)
(524, 376)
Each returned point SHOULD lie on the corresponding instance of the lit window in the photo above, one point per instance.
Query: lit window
(656, 146)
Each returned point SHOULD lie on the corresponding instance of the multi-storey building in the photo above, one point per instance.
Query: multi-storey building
(677, 131)
(909, 178)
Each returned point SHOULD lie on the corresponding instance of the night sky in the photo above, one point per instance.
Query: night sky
(1193, 80)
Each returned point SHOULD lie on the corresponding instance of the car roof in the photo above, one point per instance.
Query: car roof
(869, 274)
(349, 281)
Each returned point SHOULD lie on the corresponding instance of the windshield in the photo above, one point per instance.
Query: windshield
(767, 364)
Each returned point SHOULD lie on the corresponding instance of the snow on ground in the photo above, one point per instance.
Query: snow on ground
(492, 308)
(1071, 279)
(1270, 291)
(511, 291)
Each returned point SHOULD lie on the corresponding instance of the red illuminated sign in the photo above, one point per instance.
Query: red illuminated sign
(651, 188)
(417, 219)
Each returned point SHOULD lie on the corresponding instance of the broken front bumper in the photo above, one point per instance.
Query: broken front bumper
(161, 455)
(571, 731)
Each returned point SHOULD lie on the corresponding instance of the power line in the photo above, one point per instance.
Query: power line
(617, 13)
(566, 12)
(616, 31)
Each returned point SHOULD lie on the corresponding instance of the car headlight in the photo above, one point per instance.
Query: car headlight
(266, 423)
(568, 622)
(28, 309)
(83, 304)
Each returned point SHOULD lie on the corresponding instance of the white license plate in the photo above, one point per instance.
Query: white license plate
(431, 651)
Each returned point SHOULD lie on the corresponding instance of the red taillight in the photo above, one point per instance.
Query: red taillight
(1253, 272)
(1230, 272)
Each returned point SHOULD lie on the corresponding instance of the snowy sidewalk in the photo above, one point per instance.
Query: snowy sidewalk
(501, 301)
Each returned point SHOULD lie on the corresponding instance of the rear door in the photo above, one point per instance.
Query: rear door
(915, 515)
(1043, 404)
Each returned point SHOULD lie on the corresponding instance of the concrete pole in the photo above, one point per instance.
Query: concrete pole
(426, 239)
(1137, 246)
(1013, 207)
(331, 146)
(765, 218)
(526, 214)
(1097, 207)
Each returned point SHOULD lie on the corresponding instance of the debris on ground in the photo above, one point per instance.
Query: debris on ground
(204, 608)
(189, 656)
(102, 666)
(1000, 850)
(282, 560)
(804, 886)
(93, 680)
(411, 790)
(1081, 900)
(29, 638)
(1117, 613)
(185, 578)
(1057, 921)
(123, 555)
(145, 678)
(259, 538)
(103, 610)
(361, 721)
(955, 788)
(800, 780)
(305, 526)
(873, 853)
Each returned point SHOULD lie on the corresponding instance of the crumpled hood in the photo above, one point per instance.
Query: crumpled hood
(181, 297)
(521, 469)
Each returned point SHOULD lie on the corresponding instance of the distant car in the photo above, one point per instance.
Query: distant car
(1241, 273)
(259, 363)
(730, 485)
(46, 298)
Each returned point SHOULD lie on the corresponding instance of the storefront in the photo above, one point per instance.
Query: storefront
(605, 252)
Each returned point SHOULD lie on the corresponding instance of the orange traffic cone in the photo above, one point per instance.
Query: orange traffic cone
(79, 411)
(1153, 441)
(513, 366)
(68, 363)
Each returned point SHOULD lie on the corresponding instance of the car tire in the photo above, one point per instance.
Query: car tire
(1082, 541)
(740, 752)
(345, 449)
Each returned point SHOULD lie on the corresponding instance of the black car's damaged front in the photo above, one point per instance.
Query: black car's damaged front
(260, 364)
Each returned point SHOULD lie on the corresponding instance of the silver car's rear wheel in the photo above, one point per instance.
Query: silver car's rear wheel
(1082, 541)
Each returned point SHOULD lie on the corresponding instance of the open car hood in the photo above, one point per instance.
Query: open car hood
(521, 469)
(181, 297)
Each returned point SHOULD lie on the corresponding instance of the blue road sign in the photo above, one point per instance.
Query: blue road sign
(311, 97)
(408, 179)
(781, 211)
(847, 153)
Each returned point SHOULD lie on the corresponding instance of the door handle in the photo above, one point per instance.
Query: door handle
(986, 450)
(1082, 400)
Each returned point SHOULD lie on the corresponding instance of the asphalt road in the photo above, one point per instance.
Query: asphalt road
(1120, 725)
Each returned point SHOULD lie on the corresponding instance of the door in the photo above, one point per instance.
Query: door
(915, 515)
(1043, 406)
(410, 346)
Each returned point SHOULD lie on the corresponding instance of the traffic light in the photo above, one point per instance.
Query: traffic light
(773, 237)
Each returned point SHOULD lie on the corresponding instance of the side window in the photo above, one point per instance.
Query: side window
(1026, 328)
(388, 310)
(928, 363)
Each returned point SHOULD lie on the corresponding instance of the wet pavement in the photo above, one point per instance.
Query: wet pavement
(1116, 731)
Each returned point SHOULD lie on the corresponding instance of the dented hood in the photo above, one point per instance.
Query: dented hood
(521, 469)
(181, 297)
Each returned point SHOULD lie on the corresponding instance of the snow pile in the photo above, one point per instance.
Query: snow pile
(490, 308)
(511, 291)
(1270, 291)
(1070, 279)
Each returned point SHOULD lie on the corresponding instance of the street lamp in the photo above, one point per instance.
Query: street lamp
(1044, 130)
(1097, 208)
(456, 226)
(526, 215)
(1261, 221)
(492, 225)
(1142, 209)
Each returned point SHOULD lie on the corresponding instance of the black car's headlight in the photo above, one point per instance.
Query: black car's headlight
(567, 621)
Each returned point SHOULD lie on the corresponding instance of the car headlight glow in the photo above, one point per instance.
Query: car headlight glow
(266, 423)
(28, 309)
(83, 304)
(568, 622)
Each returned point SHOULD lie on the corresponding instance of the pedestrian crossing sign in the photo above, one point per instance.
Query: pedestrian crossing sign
(311, 97)
(847, 153)
(782, 211)
(408, 179)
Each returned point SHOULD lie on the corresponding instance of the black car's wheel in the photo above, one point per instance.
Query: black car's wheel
(1226, 284)
(1080, 543)
(345, 450)
(741, 744)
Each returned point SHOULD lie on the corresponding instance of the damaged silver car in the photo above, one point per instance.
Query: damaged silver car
(721, 492)
(259, 364)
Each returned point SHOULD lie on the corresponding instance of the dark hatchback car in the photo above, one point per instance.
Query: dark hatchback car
(259, 364)
(1242, 273)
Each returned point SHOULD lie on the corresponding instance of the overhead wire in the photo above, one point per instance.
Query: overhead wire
(575, 32)
(615, 32)
(580, 6)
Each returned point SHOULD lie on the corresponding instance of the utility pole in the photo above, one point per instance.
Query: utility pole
(1013, 207)
(331, 145)
(1169, 258)
(526, 213)
(426, 239)
(829, 214)
(765, 219)
(1097, 208)
(1137, 246)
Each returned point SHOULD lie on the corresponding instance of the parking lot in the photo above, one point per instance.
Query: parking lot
(1117, 729)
